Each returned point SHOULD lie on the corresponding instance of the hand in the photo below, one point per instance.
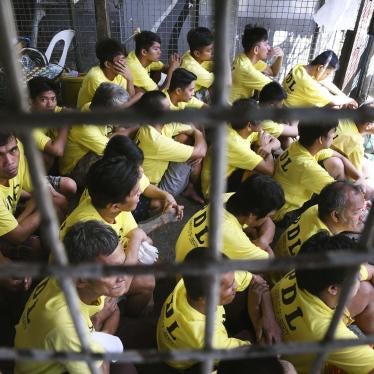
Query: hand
(174, 62)
(122, 69)
(351, 103)
(14, 284)
(137, 234)
(263, 245)
(276, 52)
(269, 331)
(171, 204)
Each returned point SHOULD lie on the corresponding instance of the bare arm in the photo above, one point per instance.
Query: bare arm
(200, 146)
(349, 169)
(166, 198)
(28, 222)
(266, 166)
(265, 236)
(56, 147)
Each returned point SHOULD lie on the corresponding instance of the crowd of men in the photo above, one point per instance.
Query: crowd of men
(292, 189)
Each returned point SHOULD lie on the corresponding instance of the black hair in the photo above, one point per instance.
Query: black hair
(335, 196)
(199, 38)
(38, 85)
(327, 58)
(122, 145)
(109, 95)
(197, 285)
(310, 132)
(5, 138)
(251, 365)
(315, 281)
(107, 49)
(111, 180)
(258, 194)
(145, 40)
(241, 106)
(85, 241)
(181, 78)
(252, 36)
(150, 102)
(271, 92)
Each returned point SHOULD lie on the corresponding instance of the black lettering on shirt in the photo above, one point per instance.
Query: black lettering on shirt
(290, 317)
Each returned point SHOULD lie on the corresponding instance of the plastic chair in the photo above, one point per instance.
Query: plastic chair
(65, 35)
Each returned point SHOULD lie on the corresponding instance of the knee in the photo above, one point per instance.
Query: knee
(334, 167)
(68, 186)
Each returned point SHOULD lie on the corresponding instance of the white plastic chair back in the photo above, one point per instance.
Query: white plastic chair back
(65, 35)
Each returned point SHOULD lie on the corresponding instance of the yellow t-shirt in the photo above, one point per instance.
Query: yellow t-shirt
(160, 148)
(193, 103)
(9, 195)
(303, 90)
(202, 71)
(349, 142)
(300, 176)
(140, 74)
(239, 156)
(246, 78)
(236, 245)
(43, 135)
(304, 317)
(85, 211)
(181, 326)
(46, 323)
(81, 140)
(92, 80)
(272, 128)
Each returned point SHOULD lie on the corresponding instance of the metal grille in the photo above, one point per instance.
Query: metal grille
(290, 26)
(17, 118)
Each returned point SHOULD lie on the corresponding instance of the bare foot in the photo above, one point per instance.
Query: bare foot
(191, 194)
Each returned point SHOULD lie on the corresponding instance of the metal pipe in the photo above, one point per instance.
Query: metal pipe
(208, 117)
(152, 355)
(218, 150)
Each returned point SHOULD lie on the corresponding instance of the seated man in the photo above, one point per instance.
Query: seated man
(341, 207)
(304, 303)
(299, 173)
(181, 324)
(307, 85)
(168, 163)
(46, 322)
(199, 60)
(349, 141)
(146, 59)
(152, 200)
(112, 68)
(242, 160)
(87, 143)
(272, 96)
(113, 188)
(181, 90)
(17, 227)
(249, 67)
(257, 198)
(50, 142)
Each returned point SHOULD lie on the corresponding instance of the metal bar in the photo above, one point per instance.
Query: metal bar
(345, 258)
(147, 356)
(218, 149)
(208, 117)
(42, 195)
